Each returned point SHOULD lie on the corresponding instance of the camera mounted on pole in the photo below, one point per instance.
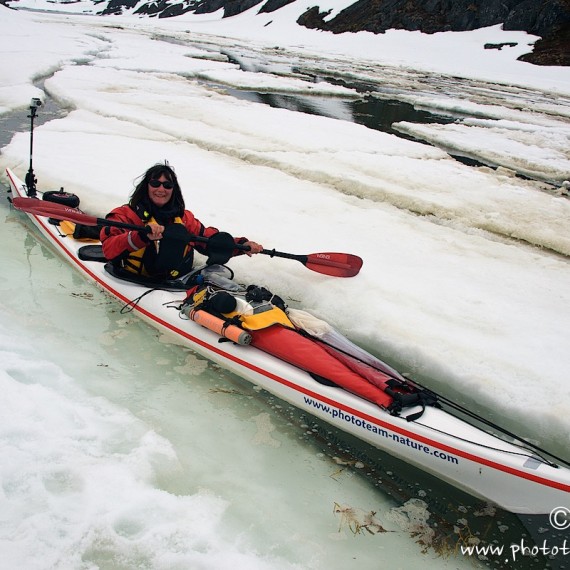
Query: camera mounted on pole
(30, 177)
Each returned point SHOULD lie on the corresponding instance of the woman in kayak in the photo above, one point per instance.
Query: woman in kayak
(164, 249)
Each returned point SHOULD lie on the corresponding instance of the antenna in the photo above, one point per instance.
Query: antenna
(30, 177)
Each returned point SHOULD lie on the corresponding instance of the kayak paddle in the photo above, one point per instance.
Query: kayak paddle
(328, 263)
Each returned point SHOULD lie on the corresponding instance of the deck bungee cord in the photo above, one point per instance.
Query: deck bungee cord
(438, 399)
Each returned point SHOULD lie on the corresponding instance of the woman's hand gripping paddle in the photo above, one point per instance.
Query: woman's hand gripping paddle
(222, 244)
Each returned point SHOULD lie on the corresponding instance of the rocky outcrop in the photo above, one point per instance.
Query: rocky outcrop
(430, 16)
(554, 49)
(170, 8)
(274, 5)
(549, 19)
(117, 6)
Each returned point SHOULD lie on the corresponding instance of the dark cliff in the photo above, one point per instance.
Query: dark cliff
(548, 19)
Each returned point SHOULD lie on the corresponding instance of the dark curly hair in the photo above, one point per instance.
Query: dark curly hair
(140, 194)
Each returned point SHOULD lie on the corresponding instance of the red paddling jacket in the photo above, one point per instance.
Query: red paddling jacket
(135, 252)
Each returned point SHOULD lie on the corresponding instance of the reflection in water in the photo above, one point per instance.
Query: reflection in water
(374, 113)
(19, 122)
(377, 113)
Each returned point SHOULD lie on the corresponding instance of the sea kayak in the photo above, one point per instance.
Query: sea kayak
(395, 415)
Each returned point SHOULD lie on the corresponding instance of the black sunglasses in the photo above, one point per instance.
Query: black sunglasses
(167, 185)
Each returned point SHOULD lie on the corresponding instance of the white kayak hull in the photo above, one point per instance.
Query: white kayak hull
(438, 443)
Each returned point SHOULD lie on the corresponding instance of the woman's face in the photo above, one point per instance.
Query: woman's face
(160, 190)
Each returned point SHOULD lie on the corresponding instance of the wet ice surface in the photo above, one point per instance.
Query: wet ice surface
(207, 470)
(520, 132)
(522, 129)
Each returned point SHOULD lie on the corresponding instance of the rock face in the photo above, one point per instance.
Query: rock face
(549, 19)
(430, 16)
(170, 8)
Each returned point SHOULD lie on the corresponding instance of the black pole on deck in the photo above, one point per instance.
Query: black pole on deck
(30, 177)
